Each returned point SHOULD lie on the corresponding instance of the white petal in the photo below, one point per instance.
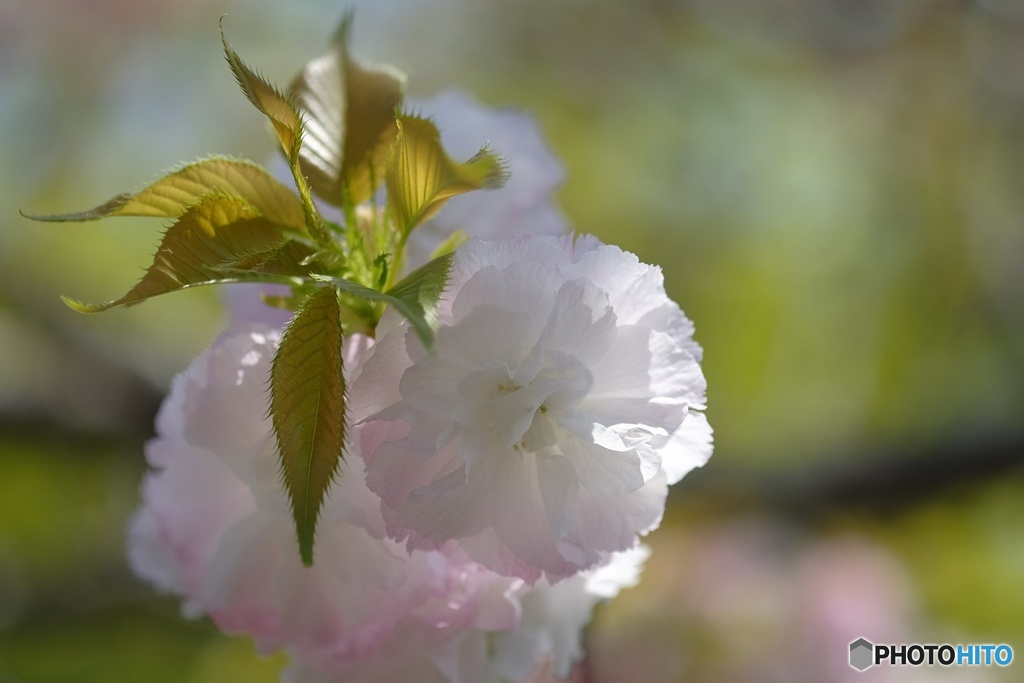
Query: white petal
(624, 370)
(521, 287)
(581, 322)
(217, 499)
(375, 386)
(151, 555)
(621, 571)
(688, 447)
(511, 250)
(400, 468)
(674, 371)
(670, 319)
(634, 288)
(651, 415)
(607, 471)
(487, 336)
(611, 523)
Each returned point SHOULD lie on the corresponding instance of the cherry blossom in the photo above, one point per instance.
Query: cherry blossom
(563, 397)
(215, 528)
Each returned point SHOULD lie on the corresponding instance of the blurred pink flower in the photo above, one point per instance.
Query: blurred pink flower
(757, 599)
(561, 401)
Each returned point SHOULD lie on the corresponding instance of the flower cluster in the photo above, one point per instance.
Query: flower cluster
(476, 416)
(215, 527)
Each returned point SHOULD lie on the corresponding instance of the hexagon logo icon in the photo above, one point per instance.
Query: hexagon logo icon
(861, 654)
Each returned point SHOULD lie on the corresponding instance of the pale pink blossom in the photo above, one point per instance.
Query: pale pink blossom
(563, 397)
(215, 527)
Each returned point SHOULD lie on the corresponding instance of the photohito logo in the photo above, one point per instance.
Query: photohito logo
(865, 654)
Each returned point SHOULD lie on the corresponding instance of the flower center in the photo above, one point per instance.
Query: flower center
(523, 408)
(557, 391)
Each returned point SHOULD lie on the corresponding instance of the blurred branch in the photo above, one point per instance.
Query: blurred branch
(90, 392)
(888, 479)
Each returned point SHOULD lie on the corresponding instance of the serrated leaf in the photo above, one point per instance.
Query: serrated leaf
(307, 406)
(276, 106)
(173, 194)
(217, 229)
(290, 258)
(414, 297)
(420, 176)
(349, 116)
(422, 288)
(287, 123)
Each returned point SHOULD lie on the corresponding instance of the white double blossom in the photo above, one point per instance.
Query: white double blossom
(563, 397)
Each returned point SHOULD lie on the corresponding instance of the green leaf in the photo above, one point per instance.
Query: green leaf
(420, 176)
(281, 110)
(292, 258)
(307, 406)
(173, 194)
(287, 123)
(349, 116)
(421, 289)
(415, 297)
(215, 230)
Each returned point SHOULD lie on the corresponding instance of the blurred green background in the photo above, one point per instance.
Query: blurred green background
(834, 188)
